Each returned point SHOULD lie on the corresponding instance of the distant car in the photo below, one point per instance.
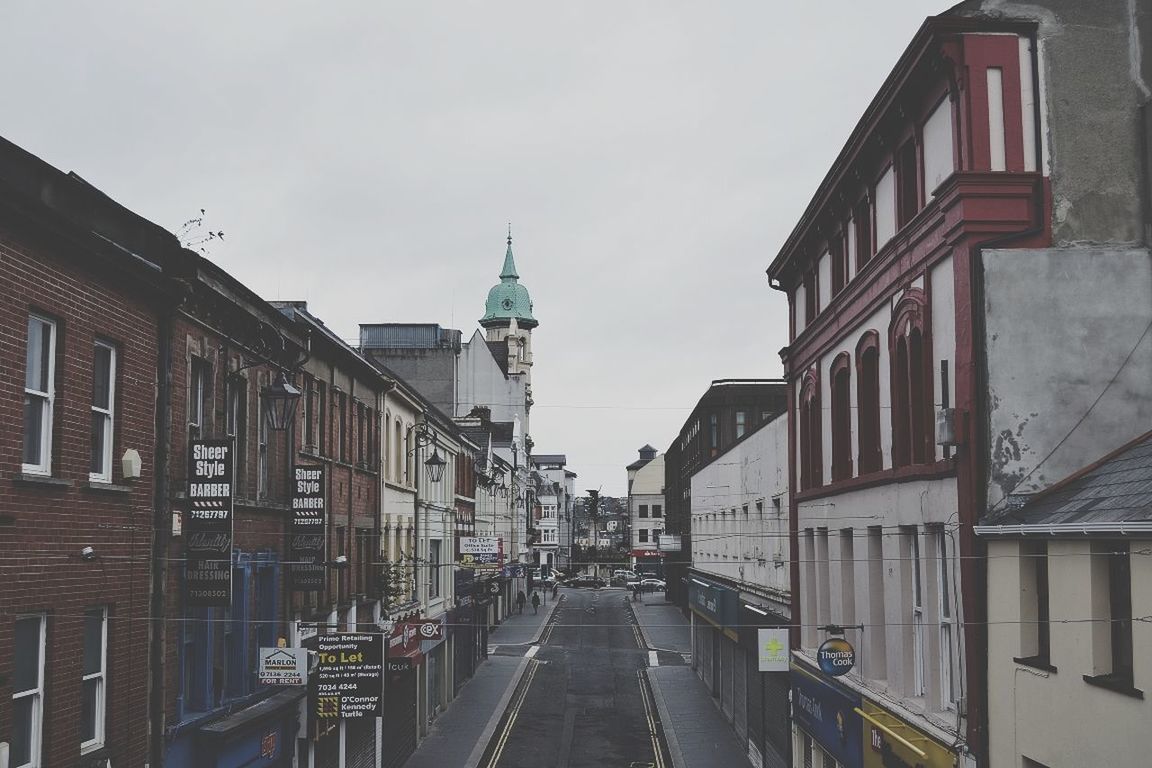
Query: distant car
(586, 581)
(624, 578)
(652, 585)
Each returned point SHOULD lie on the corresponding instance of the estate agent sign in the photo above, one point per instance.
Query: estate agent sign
(208, 528)
(308, 543)
(283, 666)
(347, 678)
(481, 552)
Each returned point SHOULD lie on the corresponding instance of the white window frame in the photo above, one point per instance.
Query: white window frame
(37, 734)
(946, 599)
(434, 587)
(917, 595)
(262, 468)
(47, 398)
(198, 374)
(108, 414)
(101, 690)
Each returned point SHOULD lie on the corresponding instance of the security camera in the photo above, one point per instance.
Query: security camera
(88, 553)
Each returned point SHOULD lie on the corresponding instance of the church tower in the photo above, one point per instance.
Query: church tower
(508, 317)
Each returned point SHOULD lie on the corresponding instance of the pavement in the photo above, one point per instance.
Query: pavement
(697, 734)
(458, 736)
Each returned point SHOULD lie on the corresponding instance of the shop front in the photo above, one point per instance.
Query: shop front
(764, 717)
(400, 721)
(890, 742)
(827, 720)
(259, 736)
(715, 621)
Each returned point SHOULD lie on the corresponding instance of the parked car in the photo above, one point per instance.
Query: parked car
(586, 581)
(622, 578)
(652, 585)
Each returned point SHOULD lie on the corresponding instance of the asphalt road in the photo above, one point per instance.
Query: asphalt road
(584, 701)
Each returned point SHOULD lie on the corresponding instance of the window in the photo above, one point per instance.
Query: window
(309, 413)
(340, 449)
(1035, 613)
(907, 184)
(643, 510)
(839, 254)
(262, 454)
(911, 383)
(642, 535)
(199, 397)
(937, 150)
(868, 403)
(811, 457)
(840, 375)
(657, 510)
(1112, 640)
(946, 600)
(28, 692)
(103, 401)
(361, 435)
(95, 672)
(885, 208)
(236, 425)
(862, 219)
(398, 454)
(39, 395)
(434, 568)
(811, 298)
(741, 418)
(916, 600)
(322, 418)
(714, 433)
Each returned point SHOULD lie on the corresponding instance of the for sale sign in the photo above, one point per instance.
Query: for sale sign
(308, 540)
(208, 524)
(347, 677)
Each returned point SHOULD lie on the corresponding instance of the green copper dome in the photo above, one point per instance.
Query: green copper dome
(508, 299)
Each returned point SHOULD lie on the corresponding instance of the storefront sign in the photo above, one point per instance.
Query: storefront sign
(773, 649)
(836, 656)
(645, 553)
(308, 545)
(208, 524)
(894, 743)
(481, 552)
(283, 666)
(347, 679)
(716, 603)
(404, 642)
(828, 714)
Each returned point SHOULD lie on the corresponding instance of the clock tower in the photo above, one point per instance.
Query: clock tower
(508, 317)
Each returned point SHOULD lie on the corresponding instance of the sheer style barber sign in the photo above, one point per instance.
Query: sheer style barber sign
(208, 526)
(308, 535)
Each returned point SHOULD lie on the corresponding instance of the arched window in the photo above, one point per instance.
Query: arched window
(911, 382)
(811, 456)
(868, 403)
(397, 452)
(840, 378)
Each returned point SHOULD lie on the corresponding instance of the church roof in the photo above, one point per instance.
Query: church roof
(508, 300)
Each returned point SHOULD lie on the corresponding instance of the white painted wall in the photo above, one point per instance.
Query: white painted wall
(937, 146)
(943, 333)
(1057, 718)
(824, 280)
(482, 382)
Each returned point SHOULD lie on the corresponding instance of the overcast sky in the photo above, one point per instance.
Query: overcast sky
(651, 155)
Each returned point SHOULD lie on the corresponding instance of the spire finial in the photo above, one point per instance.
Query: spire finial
(509, 234)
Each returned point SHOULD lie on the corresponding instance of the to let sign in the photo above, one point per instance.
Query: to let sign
(208, 524)
(308, 544)
(347, 678)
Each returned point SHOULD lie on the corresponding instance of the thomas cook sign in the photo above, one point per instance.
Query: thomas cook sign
(836, 657)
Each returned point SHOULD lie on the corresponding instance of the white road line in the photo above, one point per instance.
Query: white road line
(532, 651)
(653, 659)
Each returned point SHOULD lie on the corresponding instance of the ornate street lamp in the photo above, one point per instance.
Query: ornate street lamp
(279, 400)
(435, 466)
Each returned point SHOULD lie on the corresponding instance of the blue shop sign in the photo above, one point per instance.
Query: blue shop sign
(716, 603)
(828, 714)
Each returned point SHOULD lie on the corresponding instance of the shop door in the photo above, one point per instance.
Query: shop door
(740, 694)
(328, 750)
(360, 751)
(704, 648)
(755, 708)
(777, 736)
(399, 718)
(726, 669)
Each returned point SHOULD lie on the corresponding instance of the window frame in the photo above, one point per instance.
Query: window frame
(910, 355)
(199, 396)
(47, 397)
(434, 559)
(263, 458)
(869, 450)
(916, 604)
(840, 384)
(108, 414)
(811, 433)
(946, 605)
(101, 677)
(36, 732)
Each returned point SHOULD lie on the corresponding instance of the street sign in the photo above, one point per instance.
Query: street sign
(283, 666)
(308, 542)
(208, 526)
(347, 678)
(773, 647)
(836, 656)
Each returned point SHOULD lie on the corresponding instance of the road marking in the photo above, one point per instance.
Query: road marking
(513, 715)
(653, 659)
(658, 757)
(532, 651)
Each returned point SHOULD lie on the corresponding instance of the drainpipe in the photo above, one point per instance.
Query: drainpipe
(161, 534)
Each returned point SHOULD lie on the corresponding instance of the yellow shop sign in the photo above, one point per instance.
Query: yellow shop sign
(889, 742)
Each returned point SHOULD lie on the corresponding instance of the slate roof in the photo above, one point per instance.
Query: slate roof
(1115, 489)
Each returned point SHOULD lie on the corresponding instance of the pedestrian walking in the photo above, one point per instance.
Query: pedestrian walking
(555, 589)
(535, 603)
(520, 600)
(636, 592)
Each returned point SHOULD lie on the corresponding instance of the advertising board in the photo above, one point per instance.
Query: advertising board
(208, 525)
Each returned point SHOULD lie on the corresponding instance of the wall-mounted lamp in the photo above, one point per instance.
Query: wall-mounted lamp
(131, 464)
(279, 400)
(88, 553)
(435, 466)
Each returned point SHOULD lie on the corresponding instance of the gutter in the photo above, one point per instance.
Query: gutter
(1064, 529)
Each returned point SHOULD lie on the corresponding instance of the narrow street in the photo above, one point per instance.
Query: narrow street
(584, 701)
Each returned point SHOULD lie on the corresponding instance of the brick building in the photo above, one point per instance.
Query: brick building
(78, 344)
